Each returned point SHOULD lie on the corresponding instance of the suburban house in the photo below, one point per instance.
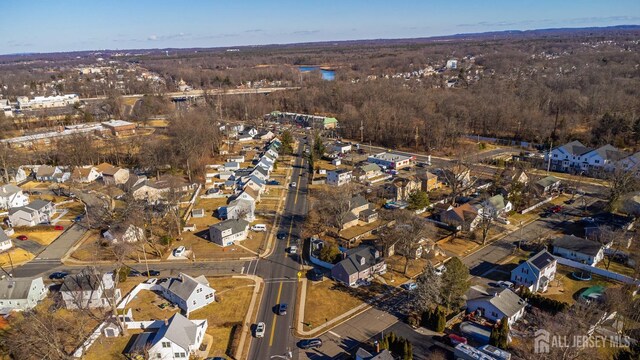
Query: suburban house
(494, 206)
(35, 213)
(400, 188)
(464, 217)
(231, 166)
(603, 158)
(567, 157)
(428, 181)
(390, 161)
(90, 290)
(547, 184)
(5, 241)
(51, 173)
(112, 175)
(631, 163)
(358, 264)
(250, 194)
(177, 338)
(226, 232)
(13, 175)
(21, 293)
(256, 184)
(84, 175)
(244, 137)
(119, 127)
(265, 135)
(154, 191)
(536, 273)
(119, 234)
(12, 196)
(363, 354)
(239, 209)
(575, 157)
(366, 172)
(578, 249)
(339, 177)
(359, 209)
(188, 293)
(461, 176)
(340, 147)
(260, 173)
(515, 175)
(495, 306)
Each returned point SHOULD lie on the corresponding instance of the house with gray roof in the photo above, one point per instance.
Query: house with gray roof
(226, 232)
(91, 290)
(579, 249)
(5, 241)
(188, 293)
(494, 206)
(363, 354)
(35, 213)
(177, 338)
(536, 273)
(239, 209)
(358, 264)
(567, 157)
(21, 293)
(12, 196)
(366, 172)
(497, 304)
(547, 184)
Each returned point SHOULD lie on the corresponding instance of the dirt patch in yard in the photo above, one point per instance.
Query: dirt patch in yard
(458, 246)
(109, 348)
(326, 300)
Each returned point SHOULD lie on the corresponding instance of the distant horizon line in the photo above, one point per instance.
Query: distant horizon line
(434, 37)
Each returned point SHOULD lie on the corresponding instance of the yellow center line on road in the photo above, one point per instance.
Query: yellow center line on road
(273, 324)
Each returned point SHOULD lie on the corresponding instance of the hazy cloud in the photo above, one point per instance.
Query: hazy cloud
(559, 22)
(254, 30)
(305, 32)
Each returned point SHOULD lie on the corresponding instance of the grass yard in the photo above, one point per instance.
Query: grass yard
(205, 249)
(109, 348)
(459, 246)
(146, 306)
(617, 268)
(91, 250)
(565, 288)
(43, 235)
(233, 296)
(15, 255)
(325, 301)
(396, 264)
(31, 185)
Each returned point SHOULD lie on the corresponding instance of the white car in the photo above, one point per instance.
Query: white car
(179, 251)
(440, 270)
(293, 249)
(293, 184)
(260, 328)
(259, 227)
(506, 284)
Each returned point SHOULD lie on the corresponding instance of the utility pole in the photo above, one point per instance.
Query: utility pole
(549, 155)
(417, 136)
(361, 131)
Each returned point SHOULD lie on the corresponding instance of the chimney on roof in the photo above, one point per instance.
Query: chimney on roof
(166, 322)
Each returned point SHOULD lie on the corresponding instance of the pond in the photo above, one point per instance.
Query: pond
(326, 74)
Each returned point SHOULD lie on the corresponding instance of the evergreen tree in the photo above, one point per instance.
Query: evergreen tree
(500, 334)
(418, 200)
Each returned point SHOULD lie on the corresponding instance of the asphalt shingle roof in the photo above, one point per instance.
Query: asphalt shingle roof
(577, 244)
(505, 300)
(181, 331)
(15, 288)
(541, 260)
(184, 285)
(237, 225)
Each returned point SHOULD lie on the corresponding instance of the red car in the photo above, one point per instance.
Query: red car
(58, 227)
(556, 209)
(23, 237)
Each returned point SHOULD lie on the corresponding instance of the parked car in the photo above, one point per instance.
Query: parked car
(506, 284)
(410, 286)
(260, 328)
(58, 227)
(292, 249)
(570, 201)
(315, 275)
(179, 251)
(23, 237)
(78, 218)
(58, 275)
(310, 343)
(281, 236)
(151, 281)
(363, 282)
(555, 209)
(454, 339)
(134, 273)
(282, 309)
(440, 270)
(151, 273)
(259, 227)
(273, 182)
(293, 184)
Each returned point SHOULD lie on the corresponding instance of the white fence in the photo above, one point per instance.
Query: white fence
(595, 270)
(537, 205)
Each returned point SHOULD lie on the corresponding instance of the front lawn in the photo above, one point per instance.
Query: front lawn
(325, 301)
(109, 348)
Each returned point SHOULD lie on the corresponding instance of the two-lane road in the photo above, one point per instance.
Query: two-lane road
(280, 272)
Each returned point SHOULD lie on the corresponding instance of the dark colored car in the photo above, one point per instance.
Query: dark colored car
(58, 275)
(282, 236)
(315, 275)
(151, 273)
(134, 272)
(555, 209)
(570, 201)
(545, 214)
(282, 309)
(310, 343)
(23, 237)
(78, 218)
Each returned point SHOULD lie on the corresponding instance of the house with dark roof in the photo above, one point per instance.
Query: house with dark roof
(363, 354)
(35, 213)
(464, 217)
(188, 293)
(21, 293)
(226, 232)
(578, 249)
(358, 264)
(90, 290)
(567, 157)
(176, 339)
(400, 188)
(359, 209)
(51, 173)
(547, 184)
(494, 305)
(536, 273)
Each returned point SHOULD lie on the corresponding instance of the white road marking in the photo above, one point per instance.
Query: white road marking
(334, 334)
(242, 270)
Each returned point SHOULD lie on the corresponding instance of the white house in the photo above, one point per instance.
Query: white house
(568, 157)
(241, 209)
(341, 147)
(536, 273)
(131, 234)
(231, 166)
(85, 175)
(236, 158)
(90, 290)
(21, 293)
(13, 175)
(226, 232)
(188, 293)
(32, 214)
(51, 173)
(12, 196)
(494, 206)
(495, 306)
(339, 177)
(603, 158)
(112, 175)
(578, 249)
(390, 161)
(260, 172)
(5, 241)
(177, 339)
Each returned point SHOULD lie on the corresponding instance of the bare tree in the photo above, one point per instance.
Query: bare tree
(619, 183)
(457, 175)
(407, 232)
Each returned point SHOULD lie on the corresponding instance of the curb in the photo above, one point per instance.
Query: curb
(259, 285)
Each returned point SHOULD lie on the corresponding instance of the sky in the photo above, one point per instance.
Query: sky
(70, 25)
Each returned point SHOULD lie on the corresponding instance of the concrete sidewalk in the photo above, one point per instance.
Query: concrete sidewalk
(248, 319)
